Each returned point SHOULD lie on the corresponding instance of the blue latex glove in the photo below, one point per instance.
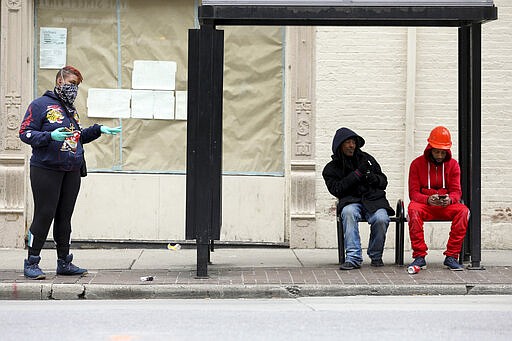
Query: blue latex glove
(110, 131)
(60, 134)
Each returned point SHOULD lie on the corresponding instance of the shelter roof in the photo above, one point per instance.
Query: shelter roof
(452, 13)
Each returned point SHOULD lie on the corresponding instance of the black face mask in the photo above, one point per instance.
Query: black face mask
(67, 92)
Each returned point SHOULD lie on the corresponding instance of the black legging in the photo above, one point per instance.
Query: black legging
(55, 194)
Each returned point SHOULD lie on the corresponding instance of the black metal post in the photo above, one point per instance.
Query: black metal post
(476, 138)
(217, 127)
(204, 140)
(464, 125)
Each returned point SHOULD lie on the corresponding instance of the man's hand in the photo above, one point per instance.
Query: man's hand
(372, 179)
(445, 200)
(439, 200)
(434, 200)
(364, 166)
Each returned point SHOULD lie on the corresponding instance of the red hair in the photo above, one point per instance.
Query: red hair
(66, 70)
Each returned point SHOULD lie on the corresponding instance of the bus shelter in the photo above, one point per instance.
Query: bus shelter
(205, 91)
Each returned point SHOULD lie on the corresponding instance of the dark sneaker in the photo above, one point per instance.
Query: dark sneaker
(377, 262)
(31, 268)
(452, 263)
(349, 266)
(65, 267)
(420, 261)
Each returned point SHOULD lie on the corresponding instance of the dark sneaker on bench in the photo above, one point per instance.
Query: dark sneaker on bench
(419, 261)
(452, 264)
(349, 266)
(377, 262)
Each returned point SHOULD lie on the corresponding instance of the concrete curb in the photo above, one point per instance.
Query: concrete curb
(25, 291)
(36, 291)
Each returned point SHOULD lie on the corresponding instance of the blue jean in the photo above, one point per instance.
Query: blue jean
(379, 222)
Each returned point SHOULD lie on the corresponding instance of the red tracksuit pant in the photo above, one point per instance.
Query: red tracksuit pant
(457, 213)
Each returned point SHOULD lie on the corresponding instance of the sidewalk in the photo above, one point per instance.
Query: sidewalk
(244, 273)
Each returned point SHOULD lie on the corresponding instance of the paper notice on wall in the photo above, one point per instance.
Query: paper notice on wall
(52, 47)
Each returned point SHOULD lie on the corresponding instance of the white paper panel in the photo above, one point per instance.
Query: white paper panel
(149, 104)
(108, 103)
(181, 105)
(153, 75)
(163, 108)
(142, 104)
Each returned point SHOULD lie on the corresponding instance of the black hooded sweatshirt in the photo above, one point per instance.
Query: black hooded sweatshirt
(347, 183)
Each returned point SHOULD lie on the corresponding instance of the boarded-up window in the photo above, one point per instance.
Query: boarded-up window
(104, 38)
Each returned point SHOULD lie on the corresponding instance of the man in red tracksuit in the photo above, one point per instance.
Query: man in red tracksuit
(435, 193)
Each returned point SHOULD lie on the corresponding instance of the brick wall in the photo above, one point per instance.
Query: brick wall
(362, 84)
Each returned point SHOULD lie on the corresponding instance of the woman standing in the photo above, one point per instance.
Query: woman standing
(52, 127)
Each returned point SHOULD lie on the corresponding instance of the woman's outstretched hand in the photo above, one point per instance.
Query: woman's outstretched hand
(110, 131)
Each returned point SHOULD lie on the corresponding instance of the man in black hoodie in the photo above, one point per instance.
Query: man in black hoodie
(356, 179)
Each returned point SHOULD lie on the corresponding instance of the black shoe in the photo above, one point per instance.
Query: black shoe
(31, 268)
(349, 266)
(377, 262)
(419, 261)
(452, 264)
(65, 267)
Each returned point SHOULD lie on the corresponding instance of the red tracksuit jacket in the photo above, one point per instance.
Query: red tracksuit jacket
(427, 178)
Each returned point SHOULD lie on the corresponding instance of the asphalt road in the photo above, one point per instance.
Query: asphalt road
(320, 318)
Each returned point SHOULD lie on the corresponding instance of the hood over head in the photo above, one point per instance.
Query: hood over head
(343, 134)
(428, 153)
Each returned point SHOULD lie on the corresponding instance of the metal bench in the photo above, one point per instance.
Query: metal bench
(399, 219)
